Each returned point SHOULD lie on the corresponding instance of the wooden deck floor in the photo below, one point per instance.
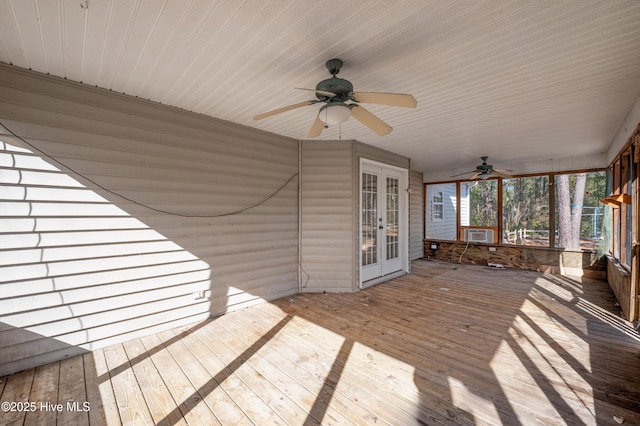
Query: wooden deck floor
(447, 344)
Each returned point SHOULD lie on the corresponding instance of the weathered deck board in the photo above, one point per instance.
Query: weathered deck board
(104, 410)
(446, 344)
(72, 393)
(17, 389)
(44, 389)
(187, 397)
(208, 379)
(132, 407)
(159, 400)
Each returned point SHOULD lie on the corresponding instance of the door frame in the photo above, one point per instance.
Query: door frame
(403, 225)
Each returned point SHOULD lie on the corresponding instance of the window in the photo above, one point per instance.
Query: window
(579, 213)
(479, 203)
(525, 211)
(626, 219)
(619, 188)
(441, 216)
(437, 207)
(551, 210)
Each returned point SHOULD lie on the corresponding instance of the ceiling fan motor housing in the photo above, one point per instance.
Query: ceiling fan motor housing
(341, 87)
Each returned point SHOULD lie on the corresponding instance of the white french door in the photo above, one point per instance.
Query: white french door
(383, 221)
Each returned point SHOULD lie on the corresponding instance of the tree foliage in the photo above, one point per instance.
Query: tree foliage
(525, 203)
(483, 203)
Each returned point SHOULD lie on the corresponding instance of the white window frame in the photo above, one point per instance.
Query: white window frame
(435, 203)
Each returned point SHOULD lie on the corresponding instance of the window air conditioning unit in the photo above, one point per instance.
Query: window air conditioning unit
(478, 235)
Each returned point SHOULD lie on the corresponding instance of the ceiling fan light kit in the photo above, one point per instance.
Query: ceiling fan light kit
(334, 113)
(341, 102)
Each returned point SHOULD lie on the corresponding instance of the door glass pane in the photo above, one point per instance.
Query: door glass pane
(369, 217)
(392, 218)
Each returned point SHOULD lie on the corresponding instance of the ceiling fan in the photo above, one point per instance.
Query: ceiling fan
(485, 171)
(341, 102)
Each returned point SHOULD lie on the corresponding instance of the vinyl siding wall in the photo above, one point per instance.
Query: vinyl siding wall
(416, 216)
(376, 154)
(328, 232)
(84, 264)
(444, 229)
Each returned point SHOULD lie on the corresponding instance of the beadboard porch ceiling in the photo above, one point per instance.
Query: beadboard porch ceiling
(514, 80)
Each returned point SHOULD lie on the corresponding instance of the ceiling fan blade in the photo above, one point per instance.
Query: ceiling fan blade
(465, 173)
(283, 109)
(321, 92)
(475, 176)
(393, 99)
(502, 175)
(316, 128)
(370, 120)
